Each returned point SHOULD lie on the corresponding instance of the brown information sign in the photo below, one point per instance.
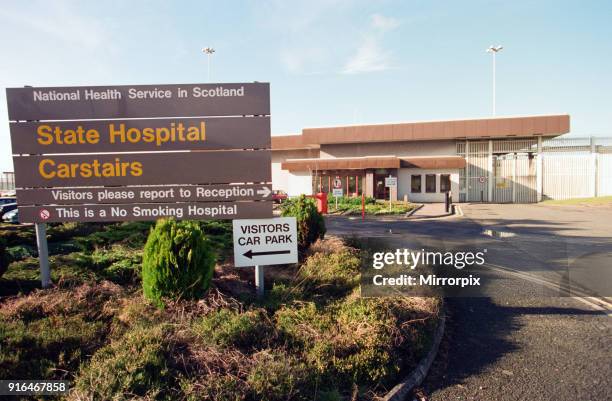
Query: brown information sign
(145, 212)
(138, 101)
(143, 194)
(159, 168)
(140, 135)
(141, 152)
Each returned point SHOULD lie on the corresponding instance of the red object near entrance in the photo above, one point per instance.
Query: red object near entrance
(321, 198)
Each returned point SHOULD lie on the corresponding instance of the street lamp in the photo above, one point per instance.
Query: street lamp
(494, 50)
(209, 51)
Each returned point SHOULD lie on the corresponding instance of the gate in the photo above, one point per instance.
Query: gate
(477, 172)
(514, 178)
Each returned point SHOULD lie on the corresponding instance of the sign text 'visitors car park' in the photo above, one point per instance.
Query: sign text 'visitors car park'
(265, 241)
(120, 153)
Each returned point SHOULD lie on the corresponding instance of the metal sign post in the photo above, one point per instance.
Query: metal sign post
(259, 242)
(259, 280)
(43, 254)
(389, 183)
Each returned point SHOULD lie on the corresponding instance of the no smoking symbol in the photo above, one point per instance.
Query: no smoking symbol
(44, 214)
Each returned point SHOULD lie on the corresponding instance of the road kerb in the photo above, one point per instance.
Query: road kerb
(418, 374)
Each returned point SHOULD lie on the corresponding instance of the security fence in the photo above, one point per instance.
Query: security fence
(576, 168)
(7, 182)
(529, 170)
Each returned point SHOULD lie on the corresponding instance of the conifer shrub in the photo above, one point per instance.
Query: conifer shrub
(178, 261)
(310, 223)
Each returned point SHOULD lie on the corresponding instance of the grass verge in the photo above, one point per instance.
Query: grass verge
(597, 201)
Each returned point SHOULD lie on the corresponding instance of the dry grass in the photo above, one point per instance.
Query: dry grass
(93, 299)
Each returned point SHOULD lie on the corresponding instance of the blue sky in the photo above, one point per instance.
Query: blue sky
(329, 62)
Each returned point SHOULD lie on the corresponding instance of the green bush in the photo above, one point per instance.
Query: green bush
(310, 223)
(178, 261)
(349, 200)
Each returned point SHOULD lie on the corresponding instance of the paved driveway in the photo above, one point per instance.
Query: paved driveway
(522, 341)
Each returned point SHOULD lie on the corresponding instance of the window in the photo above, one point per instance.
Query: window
(445, 184)
(415, 184)
(325, 183)
(352, 187)
(430, 183)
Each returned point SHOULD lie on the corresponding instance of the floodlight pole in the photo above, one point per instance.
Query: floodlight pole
(494, 53)
(494, 50)
(209, 51)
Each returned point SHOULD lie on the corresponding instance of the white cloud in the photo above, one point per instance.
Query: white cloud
(384, 23)
(369, 57)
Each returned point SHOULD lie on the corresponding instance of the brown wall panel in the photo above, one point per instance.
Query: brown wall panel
(439, 130)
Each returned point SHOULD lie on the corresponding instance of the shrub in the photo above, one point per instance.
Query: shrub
(349, 200)
(226, 328)
(178, 261)
(310, 223)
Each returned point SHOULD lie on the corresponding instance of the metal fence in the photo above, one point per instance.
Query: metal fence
(576, 168)
(7, 181)
(512, 170)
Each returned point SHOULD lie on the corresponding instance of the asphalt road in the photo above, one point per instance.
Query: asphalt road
(521, 340)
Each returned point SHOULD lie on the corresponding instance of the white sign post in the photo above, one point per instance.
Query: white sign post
(337, 190)
(390, 182)
(259, 242)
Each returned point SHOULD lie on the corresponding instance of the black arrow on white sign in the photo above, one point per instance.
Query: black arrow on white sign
(249, 254)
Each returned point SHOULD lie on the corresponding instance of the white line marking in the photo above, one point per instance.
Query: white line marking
(599, 304)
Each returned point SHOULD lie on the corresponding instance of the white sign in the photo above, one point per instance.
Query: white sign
(390, 181)
(265, 241)
(482, 179)
(337, 183)
(337, 192)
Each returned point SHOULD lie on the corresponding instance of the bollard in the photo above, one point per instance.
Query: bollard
(447, 201)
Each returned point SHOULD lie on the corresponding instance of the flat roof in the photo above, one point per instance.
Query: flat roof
(341, 163)
(492, 127)
(291, 142)
(369, 162)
